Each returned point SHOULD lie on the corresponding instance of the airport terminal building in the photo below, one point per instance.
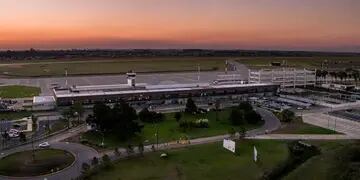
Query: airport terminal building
(176, 93)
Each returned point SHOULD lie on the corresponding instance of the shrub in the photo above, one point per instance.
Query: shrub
(298, 154)
(117, 152)
(177, 116)
(95, 161)
(106, 161)
(85, 167)
(201, 123)
(287, 115)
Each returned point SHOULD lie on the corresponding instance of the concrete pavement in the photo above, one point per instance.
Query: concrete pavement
(303, 137)
(348, 127)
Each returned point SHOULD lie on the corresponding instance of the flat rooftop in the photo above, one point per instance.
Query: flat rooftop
(123, 89)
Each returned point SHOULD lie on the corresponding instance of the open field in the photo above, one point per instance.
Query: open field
(331, 63)
(160, 64)
(210, 161)
(18, 91)
(112, 66)
(297, 126)
(21, 164)
(169, 130)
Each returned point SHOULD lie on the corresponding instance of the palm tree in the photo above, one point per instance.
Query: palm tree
(317, 74)
(333, 75)
(355, 75)
(324, 74)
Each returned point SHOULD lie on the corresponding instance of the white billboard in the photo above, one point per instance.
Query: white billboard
(229, 145)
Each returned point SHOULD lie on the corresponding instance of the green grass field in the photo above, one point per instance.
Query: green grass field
(14, 115)
(297, 126)
(18, 91)
(21, 164)
(306, 62)
(168, 130)
(319, 167)
(112, 66)
(160, 64)
(210, 161)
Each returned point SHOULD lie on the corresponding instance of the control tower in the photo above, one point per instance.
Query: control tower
(131, 76)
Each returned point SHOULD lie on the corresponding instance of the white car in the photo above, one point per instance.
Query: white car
(44, 145)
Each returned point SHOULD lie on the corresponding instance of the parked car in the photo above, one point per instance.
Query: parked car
(13, 133)
(44, 145)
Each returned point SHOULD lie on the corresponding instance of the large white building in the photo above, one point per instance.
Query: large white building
(285, 77)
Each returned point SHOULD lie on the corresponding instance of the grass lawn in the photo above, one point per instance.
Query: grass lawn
(307, 62)
(113, 66)
(58, 125)
(210, 161)
(168, 130)
(14, 115)
(21, 164)
(18, 91)
(297, 126)
(319, 167)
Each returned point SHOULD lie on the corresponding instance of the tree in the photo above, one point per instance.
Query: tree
(324, 73)
(141, 149)
(252, 117)
(232, 132)
(34, 122)
(242, 133)
(95, 161)
(333, 75)
(150, 116)
(77, 109)
(67, 115)
(217, 107)
(144, 115)
(317, 74)
(177, 116)
(129, 149)
(106, 161)
(287, 115)
(236, 117)
(117, 152)
(121, 119)
(356, 76)
(191, 106)
(246, 106)
(22, 137)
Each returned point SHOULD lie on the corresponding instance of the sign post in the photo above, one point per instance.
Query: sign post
(229, 145)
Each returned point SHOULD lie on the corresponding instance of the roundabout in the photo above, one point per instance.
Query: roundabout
(35, 163)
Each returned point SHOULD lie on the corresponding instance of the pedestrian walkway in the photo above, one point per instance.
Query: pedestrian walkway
(304, 137)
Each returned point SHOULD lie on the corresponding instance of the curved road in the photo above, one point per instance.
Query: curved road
(85, 153)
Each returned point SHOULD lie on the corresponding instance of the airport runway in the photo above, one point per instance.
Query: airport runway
(47, 83)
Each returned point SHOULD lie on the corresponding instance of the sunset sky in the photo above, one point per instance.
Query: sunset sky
(325, 25)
